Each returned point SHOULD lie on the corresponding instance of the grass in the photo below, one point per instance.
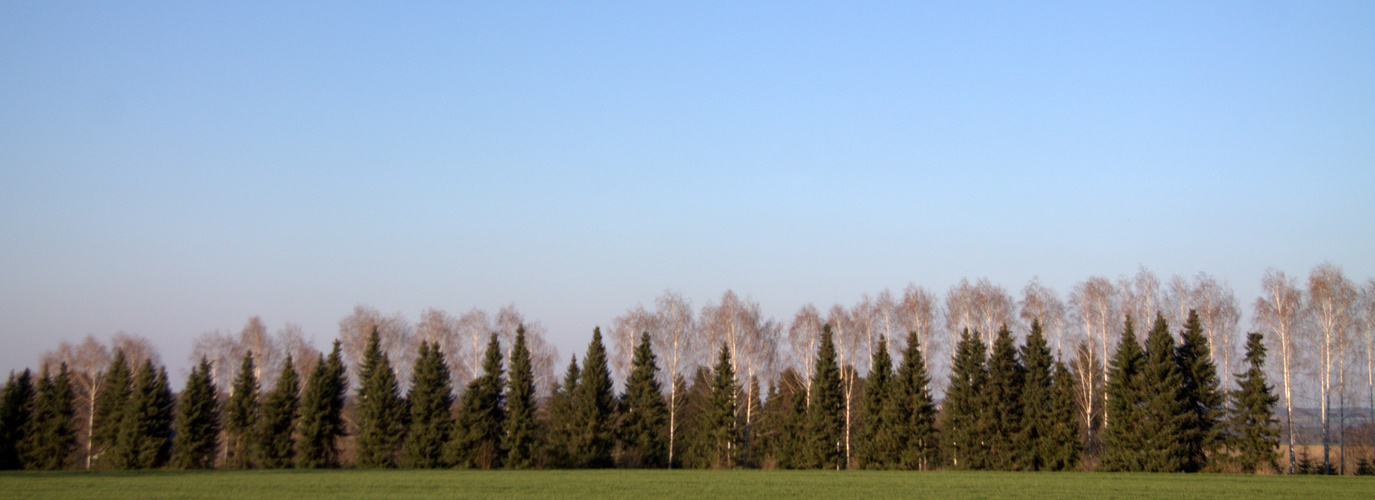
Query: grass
(345, 484)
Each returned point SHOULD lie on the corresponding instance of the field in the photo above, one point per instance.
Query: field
(344, 484)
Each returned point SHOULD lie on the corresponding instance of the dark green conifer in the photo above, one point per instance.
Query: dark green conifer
(430, 400)
(562, 415)
(1255, 431)
(477, 439)
(277, 445)
(877, 450)
(645, 417)
(49, 438)
(912, 411)
(198, 421)
(1061, 444)
(784, 425)
(1038, 402)
(964, 419)
(381, 413)
(522, 429)
(1203, 403)
(718, 421)
(114, 390)
(1125, 398)
(1160, 429)
(16, 407)
(1003, 404)
(145, 432)
(695, 438)
(825, 412)
(240, 415)
(322, 407)
(594, 404)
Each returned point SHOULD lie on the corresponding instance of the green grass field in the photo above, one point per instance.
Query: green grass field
(344, 484)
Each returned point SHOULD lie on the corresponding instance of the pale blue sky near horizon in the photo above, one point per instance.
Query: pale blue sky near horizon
(173, 168)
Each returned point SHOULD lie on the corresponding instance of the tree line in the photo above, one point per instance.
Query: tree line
(825, 394)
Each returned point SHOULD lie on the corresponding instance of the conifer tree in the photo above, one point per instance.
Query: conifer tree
(16, 407)
(1202, 399)
(240, 415)
(594, 436)
(1160, 429)
(785, 421)
(1061, 445)
(477, 438)
(49, 438)
(876, 449)
(1003, 404)
(825, 412)
(562, 416)
(1255, 430)
(645, 418)
(1125, 398)
(911, 411)
(1038, 402)
(197, 422)
(522, 430)
(322, 408)
(718, 420)
(281, 408)
(381, 413)
(145, 431)
(430, 400)
(964, 420)
(115, 389)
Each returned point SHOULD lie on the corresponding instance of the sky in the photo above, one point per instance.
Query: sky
(169, 169)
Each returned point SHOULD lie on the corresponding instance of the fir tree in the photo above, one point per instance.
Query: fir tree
(1125, 398)
(964, 421)
(695, 436)
(1202, 398)
(911, 411)
(645, 418)
(145, 431)
(1038, 412)
(1003, 404)
(562, 412)
(825, 412)
(594, 436)
(277, 446)
(322, 408)
(240, 414)
(876, 453)
(718, 421)
(197, 422)
(477, 438)
(1255, 430)
(431, 398)
(49, 438)
(1060, 444)
(381, 413)
(522, 430)
(1161, 428)
(785, 421)
(16, 407)
(115, 388)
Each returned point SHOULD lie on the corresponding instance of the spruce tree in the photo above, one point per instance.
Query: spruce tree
(430, 400)
(825, 412)
(145, 431)
(381, 413)
(1163, 414)
(522, 429)
(197, 422)
(322, 408)
(1003, 404)
(49, 438)
(695, 438)
(1125, 398)
(1203, 403)
(1038, 401)
(477, 438)
(786, 412)
(964, 419)
(281, 408)
(1061, 445)
(594, 404)
(876, 449)
(718, 420)
(645, 418)
(16, 407)
(1255, 430)
(562, 416)
(114, 390)
(240, 415)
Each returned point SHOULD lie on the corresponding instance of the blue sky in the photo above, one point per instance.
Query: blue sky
(169, 169)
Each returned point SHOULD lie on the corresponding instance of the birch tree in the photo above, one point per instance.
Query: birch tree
(920, 313)
(1331, 297)
(1367, 330)
(852, 350)
(1279, 312)
(394, 337)
(1140, 297)
(675, 339)
(1040, 302)
(1218, 310)
(1095, 306)
(625, 330)
(474, 328)
(86, 363)
(804, 336)
(440, 330)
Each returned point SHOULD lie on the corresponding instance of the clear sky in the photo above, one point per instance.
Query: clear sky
(169, 169)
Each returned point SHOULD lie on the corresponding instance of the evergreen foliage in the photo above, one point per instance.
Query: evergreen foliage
(593, 405)
(911, 412)
(1125, 399)
(1003, 404)
(280, 411)
(322, 407)
(381, 412)
(876, 453)
(477, 439)
(145, 431)
(559, 446)
(430, 400)
(49, 438)
(964, 421)
(1202, 399)
(522, 429)
(643, 443)
(115, 388)
(1038, 402)
(694, 434)
(1061, 444)
(718, 421)
(1254, 429)
(240, 415)
(16, 407)
(198, 421)
(1161, 426)
(825, 412)
(785, 421)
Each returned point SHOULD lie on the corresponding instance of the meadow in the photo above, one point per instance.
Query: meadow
(345, 484)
